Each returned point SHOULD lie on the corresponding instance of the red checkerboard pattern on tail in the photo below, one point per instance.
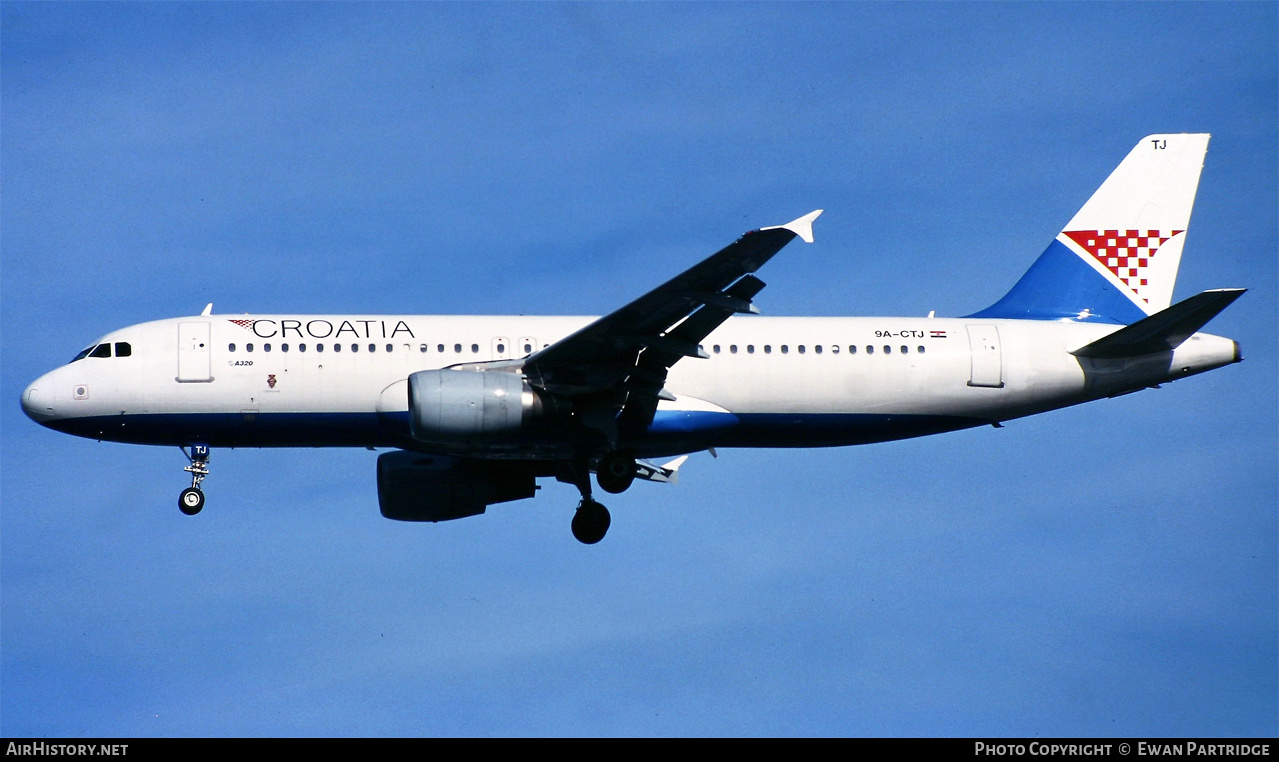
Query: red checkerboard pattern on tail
(1126, 253)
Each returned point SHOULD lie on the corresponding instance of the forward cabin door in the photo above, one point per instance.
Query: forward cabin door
(194, 360)
(987, 363)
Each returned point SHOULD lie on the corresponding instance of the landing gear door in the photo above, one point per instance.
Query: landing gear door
(987, 363)
(194, 362)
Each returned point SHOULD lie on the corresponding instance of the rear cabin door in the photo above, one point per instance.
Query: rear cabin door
(194, 361)
(987, 364)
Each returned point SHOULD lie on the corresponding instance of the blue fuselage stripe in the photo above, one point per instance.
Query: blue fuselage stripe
(671, 431)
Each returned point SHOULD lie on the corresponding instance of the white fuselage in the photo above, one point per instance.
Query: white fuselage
(317, 380)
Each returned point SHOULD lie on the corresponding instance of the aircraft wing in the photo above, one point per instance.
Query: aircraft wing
(627, 350)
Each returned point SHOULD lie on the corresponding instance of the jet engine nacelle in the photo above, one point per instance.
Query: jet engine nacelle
(448, 406)
(417, 487)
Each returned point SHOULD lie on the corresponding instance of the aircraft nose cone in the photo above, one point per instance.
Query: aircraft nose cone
(37, 405)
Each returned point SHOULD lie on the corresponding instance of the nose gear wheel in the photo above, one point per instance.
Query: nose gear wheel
(192, 498)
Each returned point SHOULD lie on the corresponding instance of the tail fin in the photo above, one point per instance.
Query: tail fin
(1116, 260)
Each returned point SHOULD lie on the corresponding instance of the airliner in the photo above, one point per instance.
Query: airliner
(473, 410)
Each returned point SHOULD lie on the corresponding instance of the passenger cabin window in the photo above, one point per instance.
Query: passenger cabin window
(905, 349)
(122, 349)
(441, 348)
(284, 347)
(870, 350)
(301, 347)
(248, 347)
(102, 350)
(920, 349)
(230, 347)
(457, 348)
(888, 350)
(818, 349)
(337, 347)
(266, 347)
(801, 349)
(475, 349)
(852, 349)
(319, 347)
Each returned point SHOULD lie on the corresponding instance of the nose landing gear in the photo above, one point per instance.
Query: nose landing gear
(192, 498)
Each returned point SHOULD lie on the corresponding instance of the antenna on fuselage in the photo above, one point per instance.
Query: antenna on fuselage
(208, 310)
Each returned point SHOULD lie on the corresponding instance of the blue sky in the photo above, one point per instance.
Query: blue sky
(1105, 570)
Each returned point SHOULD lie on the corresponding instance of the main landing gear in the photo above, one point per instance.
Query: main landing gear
(591, 521)
(192, 498)
(615, 473)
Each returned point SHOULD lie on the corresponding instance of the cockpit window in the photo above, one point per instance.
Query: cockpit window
(122, 349)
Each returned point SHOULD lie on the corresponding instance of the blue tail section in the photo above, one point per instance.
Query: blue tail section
(1062, 286)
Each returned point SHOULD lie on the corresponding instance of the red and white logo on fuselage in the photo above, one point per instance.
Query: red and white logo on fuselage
(1126, 253)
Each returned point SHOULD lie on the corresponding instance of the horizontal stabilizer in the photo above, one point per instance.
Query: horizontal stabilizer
(1165, 330)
